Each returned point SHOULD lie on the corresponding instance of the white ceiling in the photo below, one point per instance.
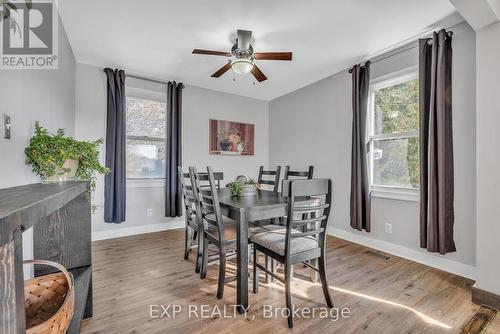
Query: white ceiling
(155, 38)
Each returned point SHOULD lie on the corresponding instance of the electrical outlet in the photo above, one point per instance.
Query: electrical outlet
(149, 212)
(388, 228)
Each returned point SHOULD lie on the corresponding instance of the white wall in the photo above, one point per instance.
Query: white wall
(199, 105)
(488, 159)
(30, 95)
(313, 126)
(27, 96)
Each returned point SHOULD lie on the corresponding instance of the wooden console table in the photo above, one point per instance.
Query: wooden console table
(60, 216)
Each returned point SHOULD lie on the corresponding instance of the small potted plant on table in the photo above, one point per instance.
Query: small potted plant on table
(244, 186)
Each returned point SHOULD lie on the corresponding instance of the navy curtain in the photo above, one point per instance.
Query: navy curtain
(114, 187)
(360, 189)
(436, 144)
(173, 156)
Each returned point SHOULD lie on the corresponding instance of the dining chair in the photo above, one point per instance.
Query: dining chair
(274, 181)
(192, 228)
(295, 175)
(291, 246)
(218, 230)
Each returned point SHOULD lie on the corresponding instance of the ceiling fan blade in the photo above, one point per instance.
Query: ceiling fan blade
(211, 53)
(244, 38)
(273, 55)
(222, 70)
(257, 73)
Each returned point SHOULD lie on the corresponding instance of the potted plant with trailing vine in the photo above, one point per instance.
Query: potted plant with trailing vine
(57, 158)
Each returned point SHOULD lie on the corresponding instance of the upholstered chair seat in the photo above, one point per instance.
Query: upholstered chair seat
(275, 241)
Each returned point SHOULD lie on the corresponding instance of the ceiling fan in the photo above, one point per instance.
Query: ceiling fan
(243, 57)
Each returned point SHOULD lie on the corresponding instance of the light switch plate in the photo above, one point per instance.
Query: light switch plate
(6, 125)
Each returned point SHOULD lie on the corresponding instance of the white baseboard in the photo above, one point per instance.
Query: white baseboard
(119, 231)
(428, 259)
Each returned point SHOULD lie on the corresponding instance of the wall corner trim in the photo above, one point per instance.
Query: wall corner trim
(422, 257)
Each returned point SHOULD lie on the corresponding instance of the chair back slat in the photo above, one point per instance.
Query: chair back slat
(218, 176)
(310, 208)
(297, 222)
(313, 187)
(307, 234)
(274, 181)
(205, 191)
(190, 201)
(299, 174)
(191, 211)
(315, 198)
(208, 207)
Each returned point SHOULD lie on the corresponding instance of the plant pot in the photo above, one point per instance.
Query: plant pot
(65, 173)
(248, 190)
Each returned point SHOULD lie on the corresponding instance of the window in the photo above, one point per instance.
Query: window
(145, 138)
(394, 144)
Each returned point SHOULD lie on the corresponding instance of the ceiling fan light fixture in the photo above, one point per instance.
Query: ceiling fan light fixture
(242, 65)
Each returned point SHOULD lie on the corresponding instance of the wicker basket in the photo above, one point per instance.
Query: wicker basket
(49, 301)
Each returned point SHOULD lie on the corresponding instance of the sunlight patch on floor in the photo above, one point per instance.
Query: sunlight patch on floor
(422, 316)
(425, 318)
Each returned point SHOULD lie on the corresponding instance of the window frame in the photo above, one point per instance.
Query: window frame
(387, 191)
(143, 94)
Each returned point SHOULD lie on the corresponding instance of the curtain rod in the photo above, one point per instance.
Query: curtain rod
(149, 79)
(449, 34)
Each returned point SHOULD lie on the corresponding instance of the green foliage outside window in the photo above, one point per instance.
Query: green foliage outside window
(396, 111)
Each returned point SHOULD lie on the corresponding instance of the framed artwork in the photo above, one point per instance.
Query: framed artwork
(231, 138)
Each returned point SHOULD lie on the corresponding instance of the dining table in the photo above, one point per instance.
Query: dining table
(264, 205)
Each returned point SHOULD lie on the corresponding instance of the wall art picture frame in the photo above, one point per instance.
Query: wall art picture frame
(231, 138)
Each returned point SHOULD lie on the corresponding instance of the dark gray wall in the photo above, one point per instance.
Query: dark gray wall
(313, 126)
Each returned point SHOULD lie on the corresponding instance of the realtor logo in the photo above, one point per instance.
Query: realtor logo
(29, 35)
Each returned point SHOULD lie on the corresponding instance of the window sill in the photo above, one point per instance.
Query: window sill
(400, 194)
(145, 183)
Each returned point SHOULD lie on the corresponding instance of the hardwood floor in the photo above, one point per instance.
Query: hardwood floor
(394, 296)
(494, 327)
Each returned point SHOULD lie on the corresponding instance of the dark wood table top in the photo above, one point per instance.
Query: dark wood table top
(264, 198)
(20, 206)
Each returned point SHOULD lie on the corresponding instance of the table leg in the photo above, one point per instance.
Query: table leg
(12, 287)
(242, 263)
